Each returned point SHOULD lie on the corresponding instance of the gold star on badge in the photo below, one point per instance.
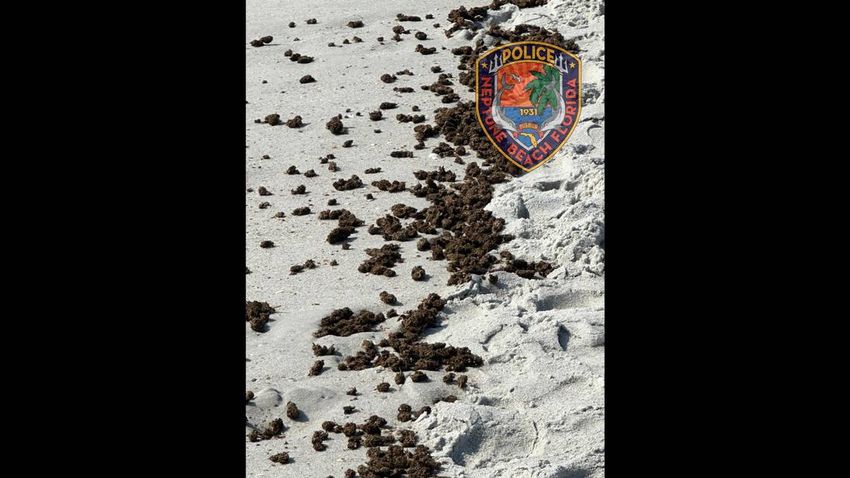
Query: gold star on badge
(484, 65)
(572, 65)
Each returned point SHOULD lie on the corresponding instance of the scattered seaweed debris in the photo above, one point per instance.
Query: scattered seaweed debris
(522, 268)
(301, 211)
(425, 50)
(355, 24)
(267, 244)
(395, 461)
(391, 229)
(339, 234)
(335, 125)
(292, 411)
(317, 368)
(322, 350)
(257, 314)
(387, 298)
(383, 387)
(381, 260)
(403, 211)
(272, 429)
(319, 437)
(393, 187)
(410, 353)
(353, 182)
(307, 79)
(262, 41)
(295, 122)
(282, 458)
(272, 119)
(418, 273)
(441, 175)
(345, 217)
(407, 438)
(331, 427)
(343, 322)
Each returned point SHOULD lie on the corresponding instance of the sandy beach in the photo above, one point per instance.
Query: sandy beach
(535, 406)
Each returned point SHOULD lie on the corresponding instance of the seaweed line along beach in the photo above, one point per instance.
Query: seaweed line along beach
(415, 304)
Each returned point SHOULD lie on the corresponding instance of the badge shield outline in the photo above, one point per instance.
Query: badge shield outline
(495, 76)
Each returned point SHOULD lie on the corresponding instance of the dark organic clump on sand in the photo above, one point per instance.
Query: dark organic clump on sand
(410, 352)
(381, 260)
(292, 411)
(257, 314)
(343, 322)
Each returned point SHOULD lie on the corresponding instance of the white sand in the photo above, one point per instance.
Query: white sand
(536, 408)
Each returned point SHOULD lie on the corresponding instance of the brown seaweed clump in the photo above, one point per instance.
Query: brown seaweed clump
(322, 350)
(393, 187)
(387, 298)
(257, 314)
(381, 260)
(353, 182)
(395, 461)
(317, 368)
(410, 353)
(294, 122)
(318, 437)
(343, 322)
(335, 125)
(292, 411)
(282, 458)
(272, 429)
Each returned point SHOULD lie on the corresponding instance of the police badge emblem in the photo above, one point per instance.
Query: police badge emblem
(528, 99)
